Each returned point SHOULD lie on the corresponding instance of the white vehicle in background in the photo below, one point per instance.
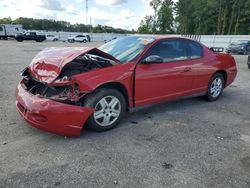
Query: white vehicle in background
(9, 30)
(78, 38)
(51, 37)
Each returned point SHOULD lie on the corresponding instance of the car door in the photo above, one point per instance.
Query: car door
(33, 36)
(27, 36)
(201, 66)
(170, 79)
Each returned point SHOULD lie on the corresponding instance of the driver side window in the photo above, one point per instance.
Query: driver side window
(169, 50)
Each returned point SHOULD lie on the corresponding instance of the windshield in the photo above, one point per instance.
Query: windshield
(126, 49)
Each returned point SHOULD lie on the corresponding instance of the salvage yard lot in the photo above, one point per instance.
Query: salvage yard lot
(185, 143)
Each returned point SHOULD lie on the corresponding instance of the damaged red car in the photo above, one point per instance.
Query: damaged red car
(65, 88)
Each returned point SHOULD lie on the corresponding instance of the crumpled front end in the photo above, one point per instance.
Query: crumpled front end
(49, 98)
(50, 115)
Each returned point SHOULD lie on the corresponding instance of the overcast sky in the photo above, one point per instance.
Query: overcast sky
(124, 14)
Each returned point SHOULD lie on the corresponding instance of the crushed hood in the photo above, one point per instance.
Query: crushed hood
(48, 64)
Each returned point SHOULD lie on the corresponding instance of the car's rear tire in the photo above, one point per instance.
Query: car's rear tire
(110, 106)
(215, 87)
(247, 52)
(19, 39)
(84, 41)
(248, 61)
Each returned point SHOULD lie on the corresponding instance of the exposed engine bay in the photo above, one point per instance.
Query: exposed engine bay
(83, 64)
(63, 90)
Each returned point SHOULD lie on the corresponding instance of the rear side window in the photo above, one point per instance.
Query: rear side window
(194, 50)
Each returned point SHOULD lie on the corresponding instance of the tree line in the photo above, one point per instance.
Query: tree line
(221, 17)
(53, 25)
(225, 17)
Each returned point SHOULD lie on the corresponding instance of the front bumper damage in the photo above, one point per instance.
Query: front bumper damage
(49, 115)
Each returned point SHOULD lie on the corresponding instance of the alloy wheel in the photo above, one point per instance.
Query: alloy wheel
(216, 87)
(108, 110)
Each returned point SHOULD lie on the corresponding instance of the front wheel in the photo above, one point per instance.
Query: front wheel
(215, 87)
(110, 107)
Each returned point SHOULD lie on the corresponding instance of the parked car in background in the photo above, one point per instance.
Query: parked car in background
(51, 37)
(65, 88)
(9, 30)
(240, 47)
(78, 38)
(30, 36)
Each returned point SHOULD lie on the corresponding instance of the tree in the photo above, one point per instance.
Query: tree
(165, 18)
(146, 25)
(162, 20)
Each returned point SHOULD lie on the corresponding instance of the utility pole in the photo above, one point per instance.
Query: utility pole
(86, 12)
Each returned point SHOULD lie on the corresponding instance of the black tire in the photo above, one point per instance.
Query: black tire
(19, 39)
(248, 50)
(93, 99)
(210, 97)
(248, 61)
(84, 41)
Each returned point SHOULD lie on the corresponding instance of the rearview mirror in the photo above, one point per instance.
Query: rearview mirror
(153, 59)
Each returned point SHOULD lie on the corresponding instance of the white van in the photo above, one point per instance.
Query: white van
(9, 30)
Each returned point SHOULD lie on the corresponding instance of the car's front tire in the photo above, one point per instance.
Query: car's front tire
(110, 106)
(215, 87)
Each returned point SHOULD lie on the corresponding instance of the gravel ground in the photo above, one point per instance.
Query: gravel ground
(188, 143)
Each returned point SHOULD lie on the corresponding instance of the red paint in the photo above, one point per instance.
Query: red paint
(153, 83)
(49, 115)
(47, 64)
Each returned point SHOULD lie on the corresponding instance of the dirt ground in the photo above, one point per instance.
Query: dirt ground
(187, 143)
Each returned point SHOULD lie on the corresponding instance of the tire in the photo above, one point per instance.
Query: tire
(84, 41)
(248, 62)
(103, 118)
(248, 50)
(19, 39)
(215, 87)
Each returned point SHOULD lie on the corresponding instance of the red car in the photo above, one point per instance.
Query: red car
(65, 88)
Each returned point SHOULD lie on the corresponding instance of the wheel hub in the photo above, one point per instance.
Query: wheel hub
(216, 87)
(108, 110)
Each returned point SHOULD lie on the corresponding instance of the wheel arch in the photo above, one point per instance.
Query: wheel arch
(224, 74)
(120, 87)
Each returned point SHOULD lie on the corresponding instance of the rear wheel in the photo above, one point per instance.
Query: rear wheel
(215, 87)
(110, 107)
(248, 61)
(247, 52)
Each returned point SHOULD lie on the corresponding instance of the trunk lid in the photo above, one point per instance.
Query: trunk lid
(48, 64)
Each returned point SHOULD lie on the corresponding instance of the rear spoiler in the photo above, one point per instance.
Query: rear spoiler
(217, 49)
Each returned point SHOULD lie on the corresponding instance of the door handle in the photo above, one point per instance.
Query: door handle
(187, 69)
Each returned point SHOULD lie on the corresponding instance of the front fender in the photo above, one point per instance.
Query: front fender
(121, 74)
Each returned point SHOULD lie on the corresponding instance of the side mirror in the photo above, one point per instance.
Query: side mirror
(153, 59)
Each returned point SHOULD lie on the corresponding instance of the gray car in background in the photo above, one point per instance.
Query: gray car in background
(240, 47)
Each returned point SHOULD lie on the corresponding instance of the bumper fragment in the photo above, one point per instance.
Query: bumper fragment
(51, 116)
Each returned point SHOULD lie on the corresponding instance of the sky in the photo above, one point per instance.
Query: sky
(125, 14)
